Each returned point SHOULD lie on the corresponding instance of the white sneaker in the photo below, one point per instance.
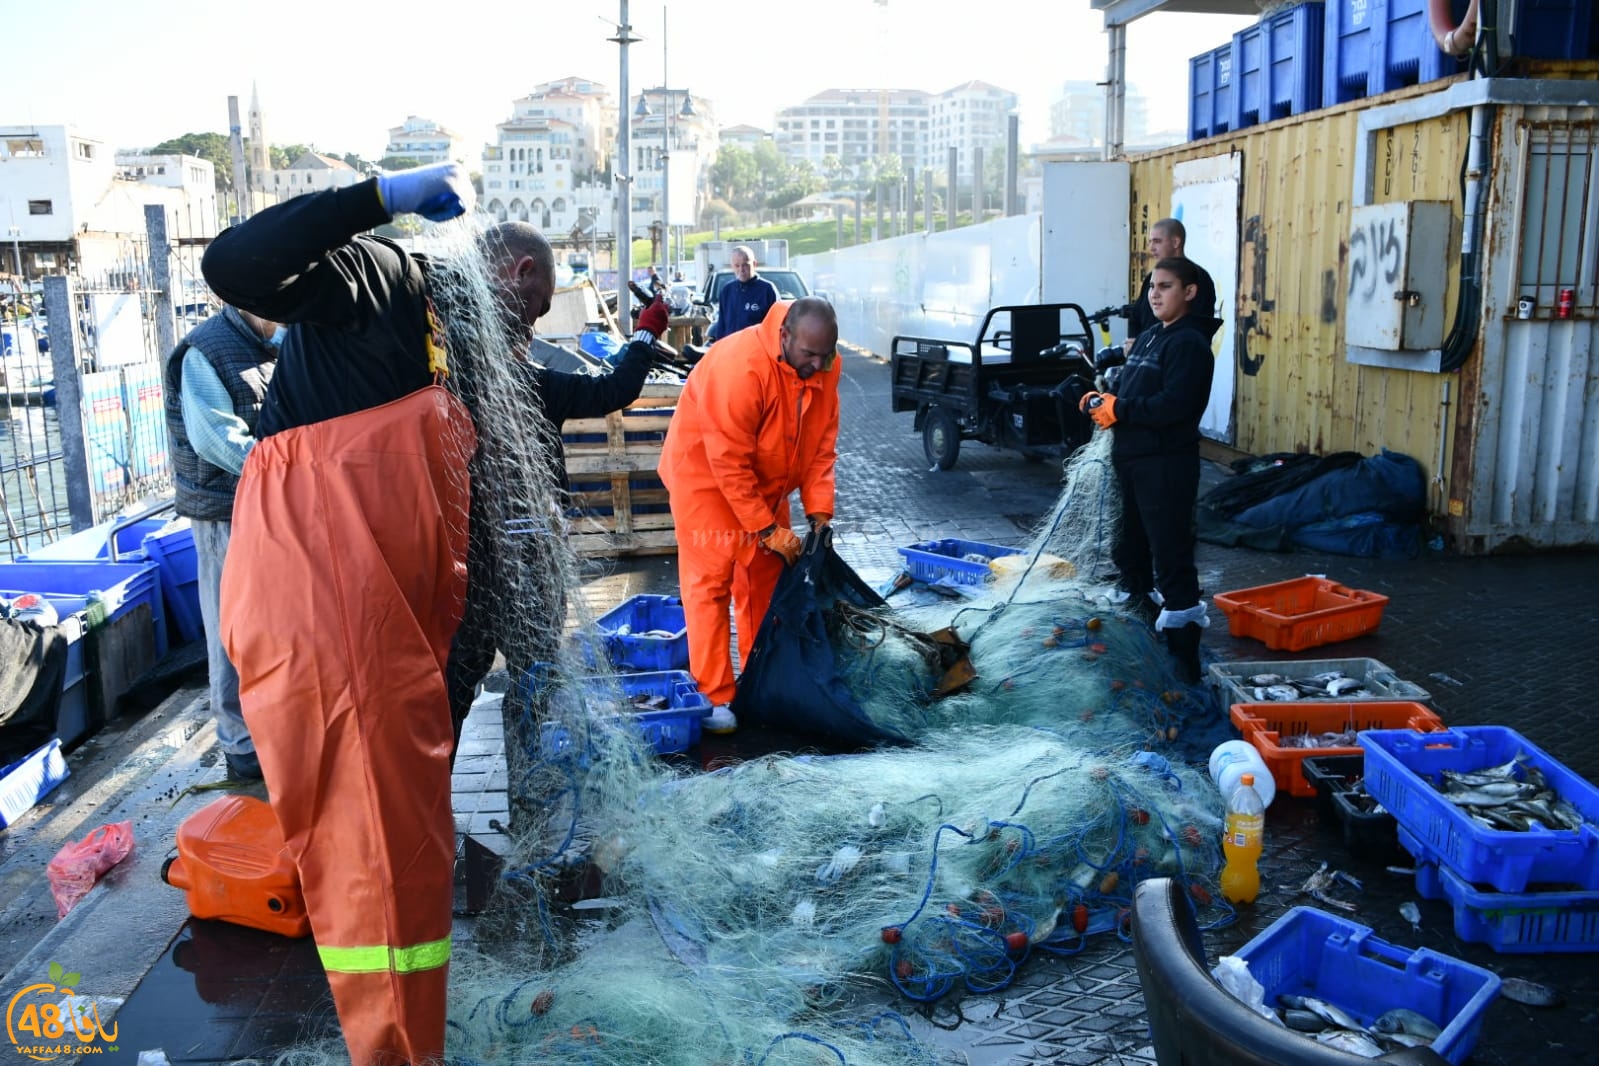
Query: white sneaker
(720, 720)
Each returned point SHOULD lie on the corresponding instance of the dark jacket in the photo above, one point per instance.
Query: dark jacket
(742, 303)
(244, 362)
(1140, 317)
(1163, 390)
(562, 396)
(357, 303)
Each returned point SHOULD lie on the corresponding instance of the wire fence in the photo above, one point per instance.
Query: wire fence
(82, 406)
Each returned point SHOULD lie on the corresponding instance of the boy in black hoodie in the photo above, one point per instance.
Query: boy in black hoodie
(1160, 396)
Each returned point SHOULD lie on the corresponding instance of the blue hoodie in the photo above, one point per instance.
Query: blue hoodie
(742, 303)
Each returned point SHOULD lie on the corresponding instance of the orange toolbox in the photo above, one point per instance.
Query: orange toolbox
(1302, 613)
(1277, 730)
(232, 866)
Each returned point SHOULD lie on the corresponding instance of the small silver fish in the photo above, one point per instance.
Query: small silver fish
(1412, 914)
(1304, 1021)
(1281, 692)
(1530, 993)
(1352, 1042)
(1266, 679)
(1402, 1020)
(1329, 1012)
(1343, 685)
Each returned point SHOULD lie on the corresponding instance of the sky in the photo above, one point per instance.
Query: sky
(338, 74)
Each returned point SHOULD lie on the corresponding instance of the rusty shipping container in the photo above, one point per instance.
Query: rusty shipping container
(1345, 318)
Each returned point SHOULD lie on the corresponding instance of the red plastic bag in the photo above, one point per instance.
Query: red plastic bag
(79, 864)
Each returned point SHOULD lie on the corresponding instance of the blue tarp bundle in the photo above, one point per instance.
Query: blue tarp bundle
(791, 680)
(1370, 507)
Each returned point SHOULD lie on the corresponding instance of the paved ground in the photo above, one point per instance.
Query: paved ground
(1497, 641)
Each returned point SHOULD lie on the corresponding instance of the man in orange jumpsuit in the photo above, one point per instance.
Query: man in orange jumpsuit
(758, 418)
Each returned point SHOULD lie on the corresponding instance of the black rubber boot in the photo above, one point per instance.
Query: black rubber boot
(1183, 643)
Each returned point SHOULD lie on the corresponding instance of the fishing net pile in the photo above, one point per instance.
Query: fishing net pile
(785, 909)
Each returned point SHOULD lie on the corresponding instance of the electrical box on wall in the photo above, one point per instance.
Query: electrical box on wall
(1398, 269)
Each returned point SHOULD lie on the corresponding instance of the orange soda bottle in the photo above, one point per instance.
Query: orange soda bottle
(1242, 844)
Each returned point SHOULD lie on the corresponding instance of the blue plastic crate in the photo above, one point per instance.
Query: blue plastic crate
(1308, 952)
(1278, 66)
(1402, 769)
(1557, 29)
(645, 633)
(171, 548)
(30, 779)
(1374, 46)
(944, 561)
(73, 586)
(673, 729)
(1512, 923)
(95, 543)
(1210, 92)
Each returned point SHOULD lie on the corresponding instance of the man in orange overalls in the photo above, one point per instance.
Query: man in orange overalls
(758, 418)
(347, 572)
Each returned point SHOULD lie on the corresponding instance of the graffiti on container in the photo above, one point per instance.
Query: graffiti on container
(1375, 251)
(1253, 267)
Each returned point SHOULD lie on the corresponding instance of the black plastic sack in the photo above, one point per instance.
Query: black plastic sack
(33, 664)
(791, 680)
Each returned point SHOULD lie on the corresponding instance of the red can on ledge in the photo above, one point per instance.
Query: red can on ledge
(1568, 301)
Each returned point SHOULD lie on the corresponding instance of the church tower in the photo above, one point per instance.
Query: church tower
(260, 156)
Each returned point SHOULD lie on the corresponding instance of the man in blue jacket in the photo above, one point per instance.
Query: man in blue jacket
(744, 300)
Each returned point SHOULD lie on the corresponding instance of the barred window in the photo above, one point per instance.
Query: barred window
(1559, 196)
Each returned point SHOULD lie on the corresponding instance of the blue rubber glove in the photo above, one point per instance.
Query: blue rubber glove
(438, 192)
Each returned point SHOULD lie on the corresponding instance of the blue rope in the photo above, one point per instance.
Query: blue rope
(808, 1038)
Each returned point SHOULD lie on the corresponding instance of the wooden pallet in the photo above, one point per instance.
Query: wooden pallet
(611, 463)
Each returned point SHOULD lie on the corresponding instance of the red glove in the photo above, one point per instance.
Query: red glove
(1104, 412)
(782, 541)
(654, 317)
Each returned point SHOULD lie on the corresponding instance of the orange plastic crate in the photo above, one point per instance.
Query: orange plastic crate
(1302, 613)
(1265, 724)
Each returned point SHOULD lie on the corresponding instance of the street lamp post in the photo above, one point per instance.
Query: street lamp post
(16, 252)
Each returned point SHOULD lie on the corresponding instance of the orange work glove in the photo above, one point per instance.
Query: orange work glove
(781, 540)
(1087, 401)
(1104, 412)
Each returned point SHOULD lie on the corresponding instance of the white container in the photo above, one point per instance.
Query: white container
(1233, 759)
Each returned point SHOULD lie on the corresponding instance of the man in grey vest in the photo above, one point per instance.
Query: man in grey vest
(215, 380)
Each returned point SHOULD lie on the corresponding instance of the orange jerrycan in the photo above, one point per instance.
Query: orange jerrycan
(232, 866)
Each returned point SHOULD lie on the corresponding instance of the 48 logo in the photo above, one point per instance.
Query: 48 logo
(44, 1022)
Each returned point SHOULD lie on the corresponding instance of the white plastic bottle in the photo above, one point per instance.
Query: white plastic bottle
(1234, 758)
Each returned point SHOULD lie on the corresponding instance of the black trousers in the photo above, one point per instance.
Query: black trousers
(1155, 549)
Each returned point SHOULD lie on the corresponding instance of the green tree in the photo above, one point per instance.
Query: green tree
(836, 173)
(283, 156)
(772, 169)
(356, 163)
(212, 147)
(733, 175)
(398, 162)
(800, 181)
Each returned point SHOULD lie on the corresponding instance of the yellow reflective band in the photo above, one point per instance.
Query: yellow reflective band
(381, 959)
(355, 960)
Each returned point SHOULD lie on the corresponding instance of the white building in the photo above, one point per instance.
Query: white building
(969, 116)
(66, 206)
(199, 214)
(424, 140)
(313, 172)
(856, 125)
(745, 136)
(676, 140)
(1078, 115)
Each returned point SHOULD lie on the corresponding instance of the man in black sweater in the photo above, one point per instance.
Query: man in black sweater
(1167, 239)
(1154, 414)
(396, 410)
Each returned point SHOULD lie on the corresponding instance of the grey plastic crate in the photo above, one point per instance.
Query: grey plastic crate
(1229, 679)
